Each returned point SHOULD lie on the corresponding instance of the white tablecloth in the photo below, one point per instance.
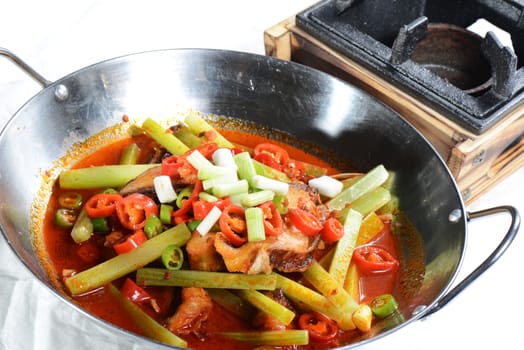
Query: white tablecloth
(57, 37)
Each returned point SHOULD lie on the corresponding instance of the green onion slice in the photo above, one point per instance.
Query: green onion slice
(172, 257)
(383, 305)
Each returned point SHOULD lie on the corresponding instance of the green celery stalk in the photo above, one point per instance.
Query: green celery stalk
(345, 246)
(255, 224)
(130, 154)
(369, 202)
(123, 264)
(146, 323)
(371, 180)
(231, 302)
(246, 167)
(169, 141)
(310, 299)
(185, 135)
(267, 171)
(101, 176)
(330, 288)
(199, 126)
(229, 189)
(270, 338)
(268, 305)
(205, 279)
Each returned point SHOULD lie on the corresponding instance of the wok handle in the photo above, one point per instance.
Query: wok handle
(25, 67)
(490, 260)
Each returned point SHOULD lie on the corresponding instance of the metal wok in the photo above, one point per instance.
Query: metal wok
(295, 100)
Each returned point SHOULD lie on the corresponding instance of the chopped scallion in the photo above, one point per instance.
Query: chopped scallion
(208, 222)
(265, 183)
(164, 189)
(256, 198)
(198, 160)
(224, 157)
(255, 224)
(326, 185)
(225, 190)
(246, 168)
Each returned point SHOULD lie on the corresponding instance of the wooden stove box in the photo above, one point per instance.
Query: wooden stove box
(477, 162)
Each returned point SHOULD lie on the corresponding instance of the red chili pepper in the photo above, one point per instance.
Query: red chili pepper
(320, 327)
(201, 208)
(373, 259)
(271, 155)
(272, 219)
(295, 169)
(306, 222)
(133, 210)
(170, 166)
(131, 242)
(188, 203)
(134, 292)
(102, 205)
(332, 231)
(233, 224)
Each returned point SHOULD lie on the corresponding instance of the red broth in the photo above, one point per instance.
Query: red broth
(64, 255)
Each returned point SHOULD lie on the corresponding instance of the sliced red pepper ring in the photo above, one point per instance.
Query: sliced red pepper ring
(102, 205)
(233, 224)
(332, 231)
(306, 222)
(133, 210)
(134, 292)
(131, 242)
(320, 327)
(188, 203)
(373, 259)
(272, 219)
(170, 166)
(201, 207)
(278, 157)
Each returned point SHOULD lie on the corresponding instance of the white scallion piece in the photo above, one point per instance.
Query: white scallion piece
(265, 183)
(210, 183)
(207, 197)
(228, 189)
(198, 160)
(164, 189)
(326, 185)
(224, 157)
(206, 173)
(209, 221)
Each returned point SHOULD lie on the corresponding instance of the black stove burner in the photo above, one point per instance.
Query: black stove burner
(423, 48)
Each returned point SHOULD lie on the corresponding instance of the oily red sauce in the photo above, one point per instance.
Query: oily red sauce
(63, 253)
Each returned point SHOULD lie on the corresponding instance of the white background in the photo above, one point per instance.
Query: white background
(57, 37)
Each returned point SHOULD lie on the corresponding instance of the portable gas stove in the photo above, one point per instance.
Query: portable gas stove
(462, 90)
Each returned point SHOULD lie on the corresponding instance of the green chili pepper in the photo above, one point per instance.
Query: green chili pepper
(192, 225)
(110, 191)
(383, 305)
(165, 213)
(153, 226)
(183, 194)
(70, 200)
(100, 225)
(280, 204)
(65, 217)
(172, 257)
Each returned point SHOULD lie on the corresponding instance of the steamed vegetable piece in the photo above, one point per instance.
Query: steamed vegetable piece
(101, 176)
(148, 325)
(149, 276)
(274, 338)
(123, 264)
